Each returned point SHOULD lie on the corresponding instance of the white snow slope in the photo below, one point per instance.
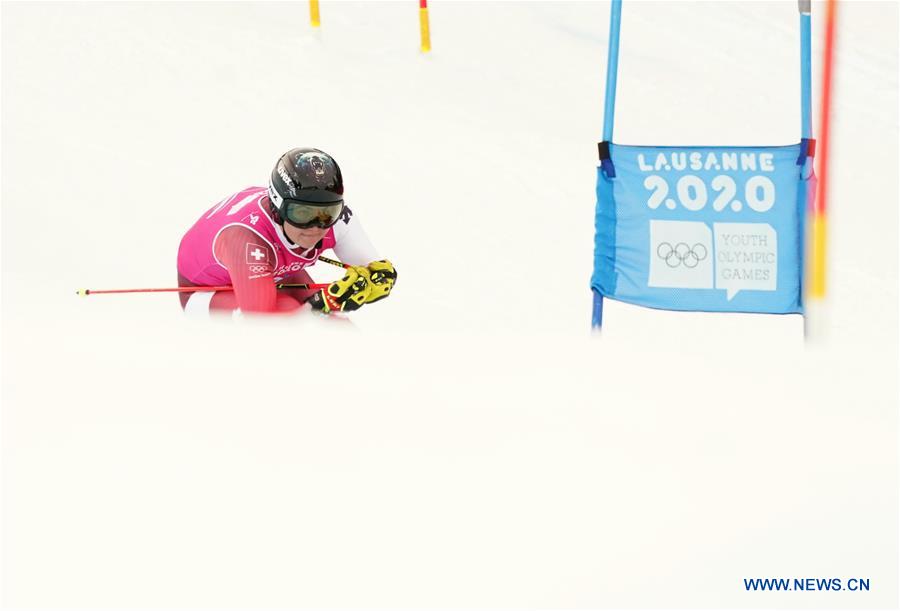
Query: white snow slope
(466, 443)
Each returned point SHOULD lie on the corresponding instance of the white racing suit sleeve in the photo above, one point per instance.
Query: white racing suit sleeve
(351, 244)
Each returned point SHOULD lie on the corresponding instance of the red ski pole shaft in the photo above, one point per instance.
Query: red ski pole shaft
(191, 289)
(301, 286)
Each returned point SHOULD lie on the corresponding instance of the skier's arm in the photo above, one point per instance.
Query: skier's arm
(351, 244)
(368, 279)
(250, 262)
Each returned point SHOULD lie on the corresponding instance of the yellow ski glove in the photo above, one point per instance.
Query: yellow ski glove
(360, 285)
(382, 276)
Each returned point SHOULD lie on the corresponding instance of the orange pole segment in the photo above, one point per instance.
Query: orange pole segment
(423, 26)
(819, 224)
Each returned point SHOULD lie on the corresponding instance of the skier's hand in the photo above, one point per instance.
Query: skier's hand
(360, 285)
(382, 277)
(344, 295)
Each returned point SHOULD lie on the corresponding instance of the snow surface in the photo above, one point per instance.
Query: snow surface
(466, 442)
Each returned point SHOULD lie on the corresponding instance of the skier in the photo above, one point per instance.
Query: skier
(258, 237)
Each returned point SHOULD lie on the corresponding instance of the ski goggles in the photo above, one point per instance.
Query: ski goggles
(304, 215)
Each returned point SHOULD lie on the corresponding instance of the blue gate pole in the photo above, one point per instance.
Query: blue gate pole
(609, 111)
(612, 69)
(806, 133)
(805, 69)
(597, 311)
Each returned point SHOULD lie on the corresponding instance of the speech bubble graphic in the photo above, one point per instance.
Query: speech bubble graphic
(680, 255)
(746, 257)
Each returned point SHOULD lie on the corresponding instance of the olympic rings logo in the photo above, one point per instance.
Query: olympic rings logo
(257, 269)
(681, 253)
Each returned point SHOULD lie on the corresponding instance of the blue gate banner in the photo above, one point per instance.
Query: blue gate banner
(714, 229)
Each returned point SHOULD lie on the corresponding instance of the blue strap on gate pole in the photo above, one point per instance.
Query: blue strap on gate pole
(609, 111)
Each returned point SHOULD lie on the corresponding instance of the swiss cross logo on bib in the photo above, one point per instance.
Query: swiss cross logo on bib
(257, 255)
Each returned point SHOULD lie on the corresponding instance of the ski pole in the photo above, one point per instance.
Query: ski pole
(191, 289)
(334, 262)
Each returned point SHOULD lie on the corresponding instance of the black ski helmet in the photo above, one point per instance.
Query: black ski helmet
(306, 175)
